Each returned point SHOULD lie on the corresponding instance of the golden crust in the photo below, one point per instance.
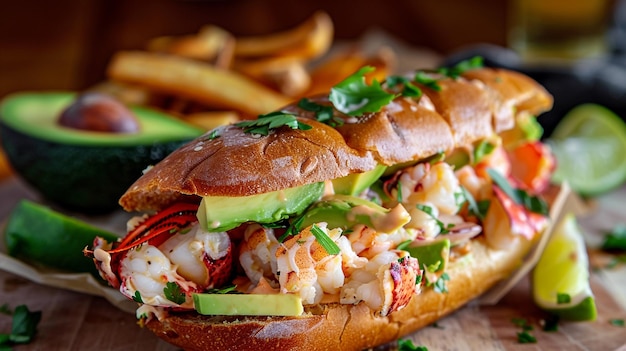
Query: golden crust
(342, 327)
(463, 111)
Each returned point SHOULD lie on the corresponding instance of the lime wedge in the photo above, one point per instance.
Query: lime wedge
(561, 277)
(589, 144)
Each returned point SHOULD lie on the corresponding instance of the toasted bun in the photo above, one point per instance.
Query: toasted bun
(342, 327)
(463, 111)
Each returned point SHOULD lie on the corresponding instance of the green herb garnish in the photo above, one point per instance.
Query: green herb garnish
(457, 70)
(323, 113)
(174, 293)
(23, 328)
(327, 243)
(407, 345)
(551, 324)
(354, 97)
(214, 134)
(520, 197)
(481, 150)
(271, 121)
(408, 89)
(440, 285)
(617, 322)
(424, 78)
(230, 289)
(615, 239)
(476, 208)
(524, 337)
(443, 229)
(137, 297)
(562, 298)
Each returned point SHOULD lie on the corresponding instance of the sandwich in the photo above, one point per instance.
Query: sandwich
(342, 221)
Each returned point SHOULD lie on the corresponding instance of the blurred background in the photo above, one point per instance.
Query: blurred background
(66, 44)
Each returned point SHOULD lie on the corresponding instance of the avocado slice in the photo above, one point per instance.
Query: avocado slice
(221, 213)
(345, 211)
(355, 183)
(248, 304)
(78, 169)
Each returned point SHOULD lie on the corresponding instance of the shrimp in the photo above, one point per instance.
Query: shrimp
(385, 284)
(367, 242)
(257, 254)
(306, 268)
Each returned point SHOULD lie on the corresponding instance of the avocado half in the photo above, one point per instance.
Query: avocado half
(77, 169)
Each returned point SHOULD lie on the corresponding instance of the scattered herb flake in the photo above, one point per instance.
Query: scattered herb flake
(214, 134)
(440, 285)
(551, 324)
(617, 322)
(524, 337)
(327, 243)
(174, 293)
(230, 289)
(520, 197)
(354, 97)
(562, 298)
(457, 70)
(323, 113)
(408, 89)
(137, 297)
(271, 121)
(615, 239)
(407, 345)
(23, 329)
(444, 229)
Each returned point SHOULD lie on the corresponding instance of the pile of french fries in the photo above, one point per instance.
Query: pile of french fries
(212, 77)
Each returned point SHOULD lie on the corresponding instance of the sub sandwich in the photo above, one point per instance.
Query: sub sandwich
(342, 221)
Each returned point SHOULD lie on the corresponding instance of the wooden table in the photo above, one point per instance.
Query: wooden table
(76, 321)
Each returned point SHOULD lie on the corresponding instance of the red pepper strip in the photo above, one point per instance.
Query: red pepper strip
(175, 210)
(168, 229)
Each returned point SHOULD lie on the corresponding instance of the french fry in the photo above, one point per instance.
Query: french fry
(212, 44)
(211, 119)
(310, 39)
(284, 73)
(335, 69)
(195, 80)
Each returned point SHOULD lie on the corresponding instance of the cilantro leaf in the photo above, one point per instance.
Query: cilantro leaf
(524, 337)
(408, 89)
(323, 113)
(427, 79)
(477, 208)
(440, 285)
(562, 298)
(327, 243)
(270, 121)
(137, 297)
(174, 293)
(520, 197)
(354, 97)
(24, 326)
(615, 239)
(457, 70)
(407, 345)
(443, 229)
(617, 322)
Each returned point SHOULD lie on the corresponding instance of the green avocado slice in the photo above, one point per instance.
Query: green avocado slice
(248, 304)
(221, 213)
(77, 169)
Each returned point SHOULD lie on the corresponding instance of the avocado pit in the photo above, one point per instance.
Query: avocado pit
(99, 112)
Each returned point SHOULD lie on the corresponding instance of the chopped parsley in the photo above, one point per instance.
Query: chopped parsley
(476, 208)
(440, 285)
(407, 345)
(444, 229)
(615, 239)
(524, 337)
(562, 298)
(354, 97)
(408, 89)
(520, 197)
(617, 322)
(327, 243)
(323, 113)
(427, 79)
(137, 297)
(23, 328)
(273, 120)
(174, 293)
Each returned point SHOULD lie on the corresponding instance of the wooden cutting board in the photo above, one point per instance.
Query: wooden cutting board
(75, 321)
